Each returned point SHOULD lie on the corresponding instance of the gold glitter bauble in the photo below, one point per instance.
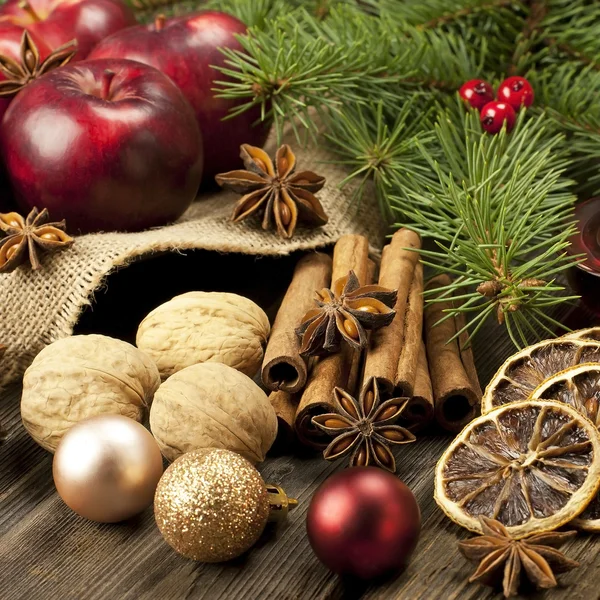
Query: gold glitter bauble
(211, 505)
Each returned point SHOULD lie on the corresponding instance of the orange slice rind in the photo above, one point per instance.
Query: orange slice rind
(532, 465)
(579, 387)
(527, 369)
(589, 334)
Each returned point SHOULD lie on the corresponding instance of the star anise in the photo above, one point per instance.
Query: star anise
(30, 66)
(364, 428)
(283, 196)
(505, 559)
(25, 238)
(343, 313)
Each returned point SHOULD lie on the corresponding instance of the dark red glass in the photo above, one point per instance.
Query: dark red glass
(587, 239)
(585, 278)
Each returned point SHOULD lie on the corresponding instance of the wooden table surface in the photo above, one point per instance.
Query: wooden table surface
(47, 552)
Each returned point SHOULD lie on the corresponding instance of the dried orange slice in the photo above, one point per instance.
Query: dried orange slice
(531, 465)
(590, 334)
(525, 370)
(578, 386)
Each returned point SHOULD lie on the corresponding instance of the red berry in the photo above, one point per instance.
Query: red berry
(477, 93)
(517, 91)
(494, 114)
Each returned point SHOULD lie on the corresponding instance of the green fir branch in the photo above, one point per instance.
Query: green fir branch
(571, 30)
(493, 23)
(147, 10)
(497, 209)
(301, 63)
(571, 97)
(258, 13)
(379, 79)
(381, 150)
(254, 13)
(439, 13)
(500, 216)
(528, 40)
(442, 62)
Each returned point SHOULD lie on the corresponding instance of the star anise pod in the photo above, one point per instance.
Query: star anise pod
(364, 428)
(26, 238)
(275, 190)
(30, 66)
(344, 313)
(504, 559)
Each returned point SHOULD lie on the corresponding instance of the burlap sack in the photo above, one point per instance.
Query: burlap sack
(37, 308)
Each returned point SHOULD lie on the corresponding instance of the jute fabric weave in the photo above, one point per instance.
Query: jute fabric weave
(37, 308)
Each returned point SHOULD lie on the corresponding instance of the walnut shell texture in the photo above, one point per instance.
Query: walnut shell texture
(211, 405)
(200, 327)
(85, 376)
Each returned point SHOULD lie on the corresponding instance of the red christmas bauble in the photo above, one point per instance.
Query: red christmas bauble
(494, 114)
(363, 522)
(477, 93)
(516, 91)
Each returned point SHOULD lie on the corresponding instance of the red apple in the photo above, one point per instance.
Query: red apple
(105, 144)
(184, 48)
(10, 46)
(57, 22)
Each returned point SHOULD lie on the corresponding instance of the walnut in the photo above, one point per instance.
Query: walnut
(211, 405)
(201, 327)
(84, 376)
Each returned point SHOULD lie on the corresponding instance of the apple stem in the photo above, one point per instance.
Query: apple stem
(107, 78)
(24, 5)
(159, 22)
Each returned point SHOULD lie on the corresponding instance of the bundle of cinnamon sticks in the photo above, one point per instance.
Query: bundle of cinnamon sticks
(438, 377)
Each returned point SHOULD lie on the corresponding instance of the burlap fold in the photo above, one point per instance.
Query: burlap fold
(37, 308)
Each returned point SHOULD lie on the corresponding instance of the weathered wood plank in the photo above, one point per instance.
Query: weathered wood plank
(48, 553)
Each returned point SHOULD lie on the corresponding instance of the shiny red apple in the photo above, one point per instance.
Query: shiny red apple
(10, 47)
(184, 48)
(105, 144)
(57, 22)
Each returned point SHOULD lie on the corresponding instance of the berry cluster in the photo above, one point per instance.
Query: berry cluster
(513, 93)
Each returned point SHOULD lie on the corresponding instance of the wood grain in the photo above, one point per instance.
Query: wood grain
(48, 553)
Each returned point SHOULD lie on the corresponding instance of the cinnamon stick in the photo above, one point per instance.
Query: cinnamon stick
(285, 405)
(396, 272)
(454, 395)
(466, 354)
(412, 339)
(358, 358)
(351, 253)
(328, 373)
(419, 410)
(283, 367)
